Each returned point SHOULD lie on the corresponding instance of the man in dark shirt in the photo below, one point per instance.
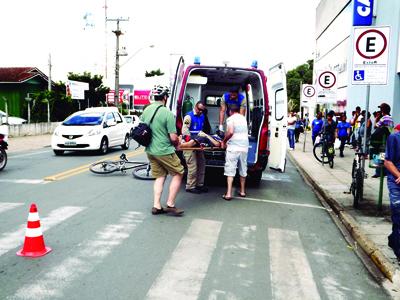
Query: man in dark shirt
(392, 164)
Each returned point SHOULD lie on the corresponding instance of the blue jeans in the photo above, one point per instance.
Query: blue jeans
(394, 237)
(290, 134)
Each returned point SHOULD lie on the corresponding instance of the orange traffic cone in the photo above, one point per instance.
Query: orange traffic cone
(34, 243)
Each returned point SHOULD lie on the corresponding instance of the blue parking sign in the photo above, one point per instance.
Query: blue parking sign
(358, 75)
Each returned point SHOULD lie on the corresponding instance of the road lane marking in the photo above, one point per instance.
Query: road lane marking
(85, 168)
(24, 181)
(183, 274)
(291, 275)
(91, 253)
(28, 154)
(4, 206)
(11, 240)
(284, 203)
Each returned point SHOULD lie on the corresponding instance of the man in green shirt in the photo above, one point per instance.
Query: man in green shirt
(161, 151)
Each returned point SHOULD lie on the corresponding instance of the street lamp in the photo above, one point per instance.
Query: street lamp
(134, 54)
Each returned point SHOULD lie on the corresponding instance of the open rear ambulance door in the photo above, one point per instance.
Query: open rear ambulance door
(278, 117)
(173, 100)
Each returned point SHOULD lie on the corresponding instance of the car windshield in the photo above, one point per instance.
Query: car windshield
(85, 119)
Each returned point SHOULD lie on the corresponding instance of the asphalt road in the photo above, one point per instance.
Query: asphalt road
(278, 243)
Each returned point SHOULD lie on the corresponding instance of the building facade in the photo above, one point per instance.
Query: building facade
(334, 52)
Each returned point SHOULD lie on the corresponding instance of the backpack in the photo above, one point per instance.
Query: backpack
(379, 136)
(142, 133)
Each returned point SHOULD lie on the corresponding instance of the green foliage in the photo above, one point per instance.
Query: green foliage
(294, 78)
(152, 73)
(61, 106)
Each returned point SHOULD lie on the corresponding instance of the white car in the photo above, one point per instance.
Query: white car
(97, 128)
(11, 120)
(132, 121)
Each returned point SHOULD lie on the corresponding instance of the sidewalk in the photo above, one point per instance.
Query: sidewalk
(27, 143)
(368, 226)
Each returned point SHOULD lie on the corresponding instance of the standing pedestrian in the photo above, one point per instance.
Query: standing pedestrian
(299, 128)
(355, 122)
(316, 126)
(392, 164)
(383, 127)
(161, 151)
(236, 142)
(193, 123)
(343, 132)
(291, 126)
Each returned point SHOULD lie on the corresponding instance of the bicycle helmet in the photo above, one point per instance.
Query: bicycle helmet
(159, 91)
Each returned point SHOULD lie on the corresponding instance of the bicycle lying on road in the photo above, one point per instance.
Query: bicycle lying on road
(324, 152)
(141, 170)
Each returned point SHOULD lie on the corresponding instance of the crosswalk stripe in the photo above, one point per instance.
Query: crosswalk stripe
(11, 240)
(291, 275)
(183, 274)
(90, 254)
(4, 206)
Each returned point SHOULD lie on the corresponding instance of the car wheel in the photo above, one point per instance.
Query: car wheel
(126, 142)
(58, 152)
(103, 146)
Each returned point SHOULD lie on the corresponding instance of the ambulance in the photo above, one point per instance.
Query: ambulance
(266, 105)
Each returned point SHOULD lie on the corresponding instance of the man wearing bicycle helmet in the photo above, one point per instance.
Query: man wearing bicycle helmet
(161, 151)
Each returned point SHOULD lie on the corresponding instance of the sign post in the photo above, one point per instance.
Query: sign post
(326, 87)
(307, 96)
(370, 67)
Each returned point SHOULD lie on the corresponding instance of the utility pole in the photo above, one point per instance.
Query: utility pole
(49, 88)
(105, 39)
(117, 32)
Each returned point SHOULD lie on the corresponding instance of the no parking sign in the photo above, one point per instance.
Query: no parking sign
(370, 55)
(326, 87)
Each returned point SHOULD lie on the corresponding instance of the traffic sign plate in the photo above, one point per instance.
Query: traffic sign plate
(370, 55)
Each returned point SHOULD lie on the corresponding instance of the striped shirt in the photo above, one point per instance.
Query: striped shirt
(240, 140)
(386, 121)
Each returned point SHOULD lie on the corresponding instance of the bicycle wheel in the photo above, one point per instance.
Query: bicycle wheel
(104, 167)
(3, 158)
(358, 195)
(143, 172)
(318, 152)
(331, 163)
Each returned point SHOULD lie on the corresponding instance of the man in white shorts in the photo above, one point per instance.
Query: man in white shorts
(236, 142)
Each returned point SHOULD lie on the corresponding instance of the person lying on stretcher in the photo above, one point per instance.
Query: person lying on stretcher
(201, 140)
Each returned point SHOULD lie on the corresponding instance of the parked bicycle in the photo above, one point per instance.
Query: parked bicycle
(324, 151)
(141, 170)
(357, 174)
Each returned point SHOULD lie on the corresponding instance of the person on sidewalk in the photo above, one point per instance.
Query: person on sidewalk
(343, 132)
(316, 126)
(364, 123)
(355, 122)
(392, 164)
(383, 127)
(291, 126)
(329, 128)
(299, 128)
(193, 123)
(236, 142)
(161, 151)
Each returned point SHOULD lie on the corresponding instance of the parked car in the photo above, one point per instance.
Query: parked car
(266, 109)
(95, 128)
(11, 120)
(132, 121)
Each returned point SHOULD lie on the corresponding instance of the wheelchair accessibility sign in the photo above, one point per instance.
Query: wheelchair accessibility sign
(359, 75)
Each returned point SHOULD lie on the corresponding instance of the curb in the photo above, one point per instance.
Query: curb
(369, 247)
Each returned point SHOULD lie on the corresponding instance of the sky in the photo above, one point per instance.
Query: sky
(239, 32)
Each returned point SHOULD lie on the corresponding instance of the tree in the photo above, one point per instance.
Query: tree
(301, 74)
(152, 73)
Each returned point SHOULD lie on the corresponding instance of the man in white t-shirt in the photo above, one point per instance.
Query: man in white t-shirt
(236, 142)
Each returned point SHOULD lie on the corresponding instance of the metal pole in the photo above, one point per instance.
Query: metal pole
(6, 108)
(49, 88)
(116, 95)
(364, 151)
